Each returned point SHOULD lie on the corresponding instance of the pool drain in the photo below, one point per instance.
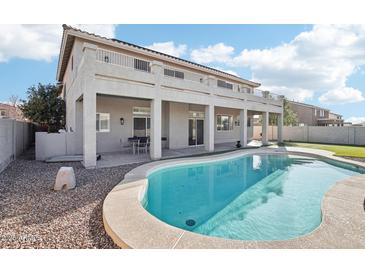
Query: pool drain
(190, 222)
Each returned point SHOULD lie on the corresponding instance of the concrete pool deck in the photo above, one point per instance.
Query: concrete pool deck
(131, 226)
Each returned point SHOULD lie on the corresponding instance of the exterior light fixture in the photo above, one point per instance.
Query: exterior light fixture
(122, 121)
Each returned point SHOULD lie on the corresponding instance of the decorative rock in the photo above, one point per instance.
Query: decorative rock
(65, 179)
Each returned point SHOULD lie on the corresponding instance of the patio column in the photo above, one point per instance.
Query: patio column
(243, 127)
(89, 106)
(89, 128)
(209, 128)
(280, 127)
(265, 127)
(155, 131)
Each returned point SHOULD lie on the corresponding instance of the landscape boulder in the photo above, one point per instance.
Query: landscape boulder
(65, 179)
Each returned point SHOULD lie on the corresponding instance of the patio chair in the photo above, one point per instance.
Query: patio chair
(143, 144)
(132, 143)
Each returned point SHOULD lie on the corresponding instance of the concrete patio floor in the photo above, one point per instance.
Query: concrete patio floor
(118, 158)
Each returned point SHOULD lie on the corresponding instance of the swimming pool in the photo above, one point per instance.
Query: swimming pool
(254, 197)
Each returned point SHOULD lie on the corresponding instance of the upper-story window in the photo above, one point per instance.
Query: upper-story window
(224, 84)
(174, 73)
(142, 65)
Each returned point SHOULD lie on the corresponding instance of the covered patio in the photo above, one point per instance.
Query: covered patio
(118, 158)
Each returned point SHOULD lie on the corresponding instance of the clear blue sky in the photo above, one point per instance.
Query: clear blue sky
(266, 59)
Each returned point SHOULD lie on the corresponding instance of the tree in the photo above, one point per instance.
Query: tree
(45, 107)
(290, 117)
(13, 99)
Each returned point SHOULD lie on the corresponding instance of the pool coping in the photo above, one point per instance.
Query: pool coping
(131, 226)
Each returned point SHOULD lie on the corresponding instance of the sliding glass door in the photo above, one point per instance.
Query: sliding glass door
(196, 132)
(141, 126)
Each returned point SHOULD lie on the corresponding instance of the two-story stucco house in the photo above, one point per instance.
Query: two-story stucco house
(115, 90)
(311, 115)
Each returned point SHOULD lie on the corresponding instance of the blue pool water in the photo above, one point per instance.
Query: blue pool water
(256, 197)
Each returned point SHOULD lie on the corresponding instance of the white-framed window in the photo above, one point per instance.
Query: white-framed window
(141, 121)
(196, 114)
(224, 122)
(144, 111)
(102, 122)
(2, 113)
(224, 84)
(174, 73)
(142, 65)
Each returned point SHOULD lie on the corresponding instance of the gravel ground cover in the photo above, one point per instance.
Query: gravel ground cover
(32, 215)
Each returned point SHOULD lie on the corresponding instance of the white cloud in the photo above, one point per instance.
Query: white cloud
(105, 30)
(356, 120)
(316, 62)
(227, 71)
(342, 96)
(169, 48)
(39, 42)
(214, 53)
(296, 94)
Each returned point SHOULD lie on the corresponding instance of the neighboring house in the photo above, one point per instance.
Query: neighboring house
(9, 111)
(115, 90)
(310, 115)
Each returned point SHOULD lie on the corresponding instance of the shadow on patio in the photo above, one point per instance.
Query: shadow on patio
(118, 158)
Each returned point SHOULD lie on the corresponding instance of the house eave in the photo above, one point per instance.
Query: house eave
(69, 31)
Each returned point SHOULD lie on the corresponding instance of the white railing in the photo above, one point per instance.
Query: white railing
(258, 92)
(115, 58)
(119, 59)
(275, 96)
(267, 94)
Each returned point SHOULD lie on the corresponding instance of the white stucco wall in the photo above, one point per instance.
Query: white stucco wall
(118, 108)
(91, 76)
(15, 138)
(178, 125)
(69, 77)
(174, 117)
(55, 144)
(330, 135)
(7, 140)
(175, 122)
(227, 136)
(272, 132)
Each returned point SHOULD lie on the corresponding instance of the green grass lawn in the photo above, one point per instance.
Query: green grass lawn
(339, 150)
